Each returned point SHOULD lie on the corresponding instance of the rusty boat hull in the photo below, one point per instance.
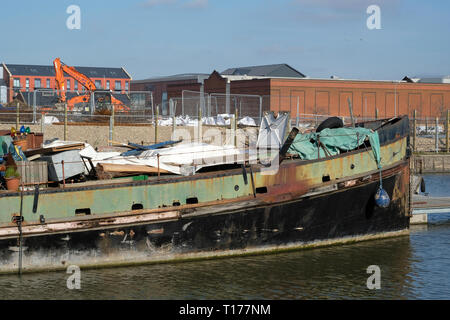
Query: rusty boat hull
(215, 214)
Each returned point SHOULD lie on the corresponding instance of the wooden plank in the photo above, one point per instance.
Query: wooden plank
(117, 143)
(76, 146)
(129, 168)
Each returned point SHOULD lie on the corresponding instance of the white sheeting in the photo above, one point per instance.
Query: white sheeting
(184, 158)
(247, 121)
(88, 150)
(220, 119)
(272, 131)
(50, 119)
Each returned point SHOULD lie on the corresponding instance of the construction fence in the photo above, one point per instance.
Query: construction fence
(194, 109)
(80, 102)
(430, 134)
(200, 104)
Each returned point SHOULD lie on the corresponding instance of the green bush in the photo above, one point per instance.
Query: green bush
(11, 172)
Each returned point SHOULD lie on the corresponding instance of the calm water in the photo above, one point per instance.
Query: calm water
(412, 267)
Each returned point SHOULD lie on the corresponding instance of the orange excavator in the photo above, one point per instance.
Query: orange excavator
(102, 98)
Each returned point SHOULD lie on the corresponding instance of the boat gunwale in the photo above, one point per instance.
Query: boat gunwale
(257, 202)
(203, 175)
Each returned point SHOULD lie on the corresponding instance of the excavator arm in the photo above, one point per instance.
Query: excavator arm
(60, 68)
(85, 81)
(59, 75)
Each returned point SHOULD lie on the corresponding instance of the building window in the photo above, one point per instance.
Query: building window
(48, 83)
(27, 84)
(107, 84)
(16, 83)
(68, 85)
(127, 86)
(117, 86)
(98, 84)
(37, 83)
(75, 85)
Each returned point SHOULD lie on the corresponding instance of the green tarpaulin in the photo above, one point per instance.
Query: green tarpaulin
(334, 140)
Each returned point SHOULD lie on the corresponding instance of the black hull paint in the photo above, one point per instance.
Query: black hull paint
(335, 215)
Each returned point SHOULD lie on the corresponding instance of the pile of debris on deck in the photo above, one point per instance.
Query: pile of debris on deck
(57, 163)
(27, 160)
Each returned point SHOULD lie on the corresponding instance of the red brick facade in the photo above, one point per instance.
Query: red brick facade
(329, 97)
(30, 83)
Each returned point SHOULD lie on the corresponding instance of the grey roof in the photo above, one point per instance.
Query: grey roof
(176, 77)
(49, 71)
(436, 79)
(272, 70)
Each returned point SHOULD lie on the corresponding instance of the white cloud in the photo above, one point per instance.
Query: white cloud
(323, 11)
(344, 5)
(154, 3)
(196, 4)
(179, 3)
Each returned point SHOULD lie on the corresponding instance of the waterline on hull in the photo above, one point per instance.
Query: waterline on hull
(44, 262)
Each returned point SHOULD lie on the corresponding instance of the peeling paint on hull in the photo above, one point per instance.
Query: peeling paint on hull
(332, 218)
(123, 260)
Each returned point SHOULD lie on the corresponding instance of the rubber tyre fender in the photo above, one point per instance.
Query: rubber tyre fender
(330, 123)
(422, 185)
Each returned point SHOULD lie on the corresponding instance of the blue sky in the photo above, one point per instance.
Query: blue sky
(150, 38)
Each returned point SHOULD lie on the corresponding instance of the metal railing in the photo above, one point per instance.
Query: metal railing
(194, 104)
(430, 134)
(427, 134)
(48, 100)
(199, 104)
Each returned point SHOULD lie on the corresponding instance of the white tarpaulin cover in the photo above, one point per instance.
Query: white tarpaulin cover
(272, 130)
(220, 120)
(184, 158)
(247, 121)
(50, 119)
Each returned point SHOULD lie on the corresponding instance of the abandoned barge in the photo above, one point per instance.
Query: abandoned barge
(234, 210)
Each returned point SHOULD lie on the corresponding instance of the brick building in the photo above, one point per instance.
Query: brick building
(159, 86)
(287, 89)
(330, 96)
(27, 78)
